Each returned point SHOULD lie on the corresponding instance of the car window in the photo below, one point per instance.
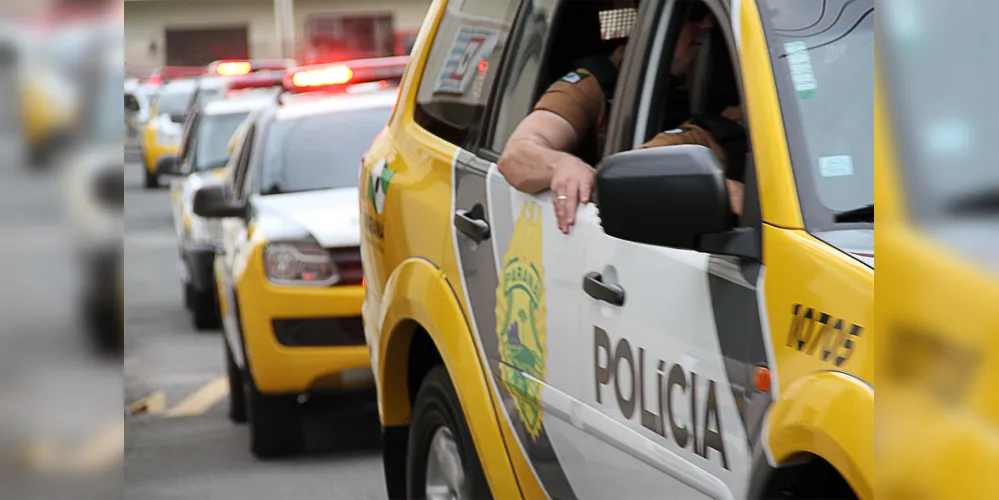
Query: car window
(523, 68)
(214, 134)
(823, 57)
(462, 66)
(189, 140)
(942, 136)
(173, 103)
(239, 176)
(318, 152)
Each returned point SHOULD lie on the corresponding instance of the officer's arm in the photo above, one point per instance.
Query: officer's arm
(535, 149)
(564, 115)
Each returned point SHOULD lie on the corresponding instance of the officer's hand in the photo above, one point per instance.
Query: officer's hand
(572, 183)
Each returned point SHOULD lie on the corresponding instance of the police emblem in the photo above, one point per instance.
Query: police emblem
(520, 318)
(378, 184)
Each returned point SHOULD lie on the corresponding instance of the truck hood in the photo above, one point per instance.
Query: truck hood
(331, 216)
(858, 243)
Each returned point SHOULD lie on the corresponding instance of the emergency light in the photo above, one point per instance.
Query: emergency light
(258, 80)
(334, 76)
(239, 67)
(232, 68)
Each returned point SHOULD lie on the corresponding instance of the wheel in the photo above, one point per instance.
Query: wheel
(152, 181)
(205, 310)
(275, 422)
(441, 459)
(188, 296)
(104, 328)
(237, 396)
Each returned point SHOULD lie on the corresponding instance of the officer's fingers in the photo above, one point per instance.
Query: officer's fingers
(585, 189)
(571, 200)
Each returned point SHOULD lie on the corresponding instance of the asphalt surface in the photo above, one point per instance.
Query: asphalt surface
(197, 453)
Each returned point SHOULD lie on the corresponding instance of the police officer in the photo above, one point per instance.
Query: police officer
(571, 117)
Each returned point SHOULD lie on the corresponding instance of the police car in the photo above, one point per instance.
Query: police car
(288, 273)
(164, 129)
(203, 159)
(658, 350)
(939, 280)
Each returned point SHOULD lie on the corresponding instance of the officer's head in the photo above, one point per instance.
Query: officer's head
(697, 25)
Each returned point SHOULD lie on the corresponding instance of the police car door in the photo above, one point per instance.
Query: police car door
(670, 335)
(233, 241)
(517, 272)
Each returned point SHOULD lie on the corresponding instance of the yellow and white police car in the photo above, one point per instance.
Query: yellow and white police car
(203, 158)
(938, 411)
(164, 129)
(661, 349)
(288, 273)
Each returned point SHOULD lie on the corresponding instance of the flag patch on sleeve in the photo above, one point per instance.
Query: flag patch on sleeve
(574, 77)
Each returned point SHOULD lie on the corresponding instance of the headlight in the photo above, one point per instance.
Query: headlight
(300, 264)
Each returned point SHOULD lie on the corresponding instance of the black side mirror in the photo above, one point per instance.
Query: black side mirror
(169, 166)
(673, 196)
(210, 201)
(131, 103)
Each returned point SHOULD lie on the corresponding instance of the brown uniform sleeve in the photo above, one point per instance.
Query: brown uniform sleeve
(688, 133)
(577, 97)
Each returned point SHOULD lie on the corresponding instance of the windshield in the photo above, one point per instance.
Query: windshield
(936, 61)
(173, 102)
(213, 139)
(319, 152)
(823, 56)
(209, 94)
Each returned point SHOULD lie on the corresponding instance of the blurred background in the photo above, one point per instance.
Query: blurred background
(87, 251)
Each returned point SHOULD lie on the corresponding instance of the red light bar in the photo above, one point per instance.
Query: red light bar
(170, 72)
(238, 67)
(336, 75)
(258, 80)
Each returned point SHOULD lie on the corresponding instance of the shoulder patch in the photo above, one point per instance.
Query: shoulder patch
(677, 130)
(574, 77)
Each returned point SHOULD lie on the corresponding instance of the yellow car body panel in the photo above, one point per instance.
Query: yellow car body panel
(778, 197)
(939, 408)
(405, 293)
(151, 149)
(280, 369)
(414, 283)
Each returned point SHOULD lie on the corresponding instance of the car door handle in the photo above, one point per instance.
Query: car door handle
(472, 223)
(594, 286)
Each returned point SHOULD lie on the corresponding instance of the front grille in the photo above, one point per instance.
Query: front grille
(319, 332)
(348, 262)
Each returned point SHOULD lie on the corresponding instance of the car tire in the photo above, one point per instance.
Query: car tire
(237, 395)
(152, 181)
(275, 422)
(205, 310)
(188, 296)
(437, 415)
(105, 329)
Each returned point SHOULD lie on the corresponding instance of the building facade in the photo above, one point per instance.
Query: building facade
(195, 32)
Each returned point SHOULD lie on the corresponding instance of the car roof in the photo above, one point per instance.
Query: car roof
(303, 105)
(184, 86)
(240, 104)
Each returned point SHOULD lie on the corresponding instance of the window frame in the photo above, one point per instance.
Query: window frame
(643, 70)
(472, 134)
(487, 132)
(242, 163)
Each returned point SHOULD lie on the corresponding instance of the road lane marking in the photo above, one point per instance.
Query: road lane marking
(152, 403)
(105, 450)
(199, 402)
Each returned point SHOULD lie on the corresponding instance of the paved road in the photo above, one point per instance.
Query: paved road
(199, 454)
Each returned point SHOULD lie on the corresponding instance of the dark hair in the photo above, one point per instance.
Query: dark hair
(697, 11)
